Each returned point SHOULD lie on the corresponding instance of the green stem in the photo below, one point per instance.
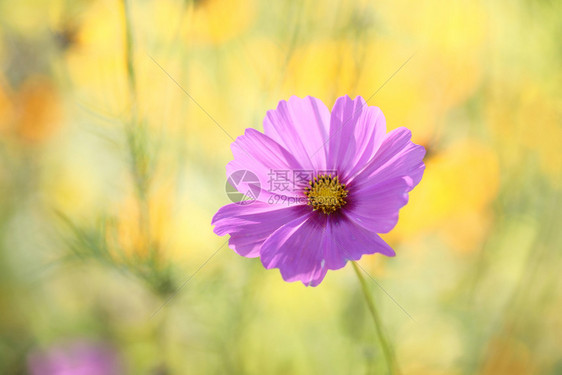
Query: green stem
(137, 136)
(163, 342)
(129, 52)
(386, 347)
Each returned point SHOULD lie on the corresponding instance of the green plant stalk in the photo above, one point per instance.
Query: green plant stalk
(130, 66)
(136, 135)
(140, 168)
(385, 345)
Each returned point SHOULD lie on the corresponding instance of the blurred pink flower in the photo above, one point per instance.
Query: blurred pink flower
(325, 184)
(76, 358)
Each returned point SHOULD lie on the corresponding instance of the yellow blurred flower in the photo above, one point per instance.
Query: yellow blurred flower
(23, 16)
(405, 97)
(419, 93)
(33, 112)
(254, 70)
(454, 29)
(436, 76)
(218, 21)
(142, 230)
(98, 71)
(97, 64)
(173, 227)
(323, 69)
(39, 110)
(508, 356)
(525, 120)
(454, 198)
(445, 41)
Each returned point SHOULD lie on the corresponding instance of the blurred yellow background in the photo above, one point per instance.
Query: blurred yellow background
(115, 124)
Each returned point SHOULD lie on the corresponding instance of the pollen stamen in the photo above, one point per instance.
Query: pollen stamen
(326, 193)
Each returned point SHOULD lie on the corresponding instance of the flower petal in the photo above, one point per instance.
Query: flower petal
(379, 191)
(259, 154)
(356, 132)
(297, 250)
(249, 225)
(301, 127)
(350, 242)
(397, 156)
(375, 207)
(307, 247)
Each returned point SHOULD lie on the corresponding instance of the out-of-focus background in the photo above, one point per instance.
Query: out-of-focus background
(110, 174)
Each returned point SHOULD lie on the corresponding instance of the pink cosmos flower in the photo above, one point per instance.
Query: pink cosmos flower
(77, 357)
(324, 185)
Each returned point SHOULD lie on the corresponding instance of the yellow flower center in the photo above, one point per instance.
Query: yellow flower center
(326, 193)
